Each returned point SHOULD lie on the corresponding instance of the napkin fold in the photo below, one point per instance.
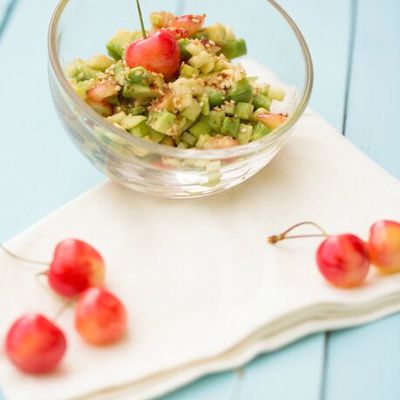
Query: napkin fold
(203, 290)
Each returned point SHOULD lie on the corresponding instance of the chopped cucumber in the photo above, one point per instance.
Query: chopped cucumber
(216, 119)
(117, 118)
(262, 101)
(217, 33)
(162, 121)
(192, 112)
(215, 97)
(116, 46)
(130, 121)
(138, 75)
(201, 141)
(205, 105)
(188, 71)
(230, 108)
(140, 130)
(139, 92)
(230, 126)
(189, 139)
(201, 59)
(183, 43)
(276, 93)
(234, 49)
(245, 132)
(260, 130)
(244, 111)
(100, 62)
(201, 127)
(241, 91)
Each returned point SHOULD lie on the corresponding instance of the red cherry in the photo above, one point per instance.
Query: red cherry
(190, 23)
(384, 246)
(76, 266)
(157, 53)
(34, 344)
(100, 317)
(343, 260)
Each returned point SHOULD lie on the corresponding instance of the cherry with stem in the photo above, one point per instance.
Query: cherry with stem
(141, 19)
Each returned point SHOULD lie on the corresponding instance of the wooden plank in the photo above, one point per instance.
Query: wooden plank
(302, 363)
(363, 362)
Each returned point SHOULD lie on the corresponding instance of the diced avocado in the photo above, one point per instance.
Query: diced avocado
(183, 124)
(155, 136)
(139, 92)
(201, 59)
(230, 126)
(205, 105)
(201, 141)
(119, 73)
(241, 91)
(116, 46)
(235, 48)
(81, 88)
(162, 121)
(245, 132)
(117, 118)
(189, 139)
(138, 75)
(185, 54)
(100, 62)
(217, 33)
(130, 121)
(260, 130)
(244, 111)
(262, 101)
(215, 97)
(192, 112)
(136, 110)
(188, 71)
(229, 108)
(81, 72)
(140, 130)
(276, 93)
(216, 119)
(208, 67)
(201, 127)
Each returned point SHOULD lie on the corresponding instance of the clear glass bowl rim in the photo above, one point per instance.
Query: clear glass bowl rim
(167, 151)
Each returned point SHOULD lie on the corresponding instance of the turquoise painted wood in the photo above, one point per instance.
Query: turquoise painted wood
(41, 170)
(363, 363)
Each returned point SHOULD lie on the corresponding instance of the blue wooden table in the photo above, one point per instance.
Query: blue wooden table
(356, 51)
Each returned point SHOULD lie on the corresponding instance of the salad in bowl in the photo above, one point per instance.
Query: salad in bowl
(169, 110)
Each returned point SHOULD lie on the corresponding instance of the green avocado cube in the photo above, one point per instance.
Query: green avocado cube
(230, 126)
(260, 130)
(130, 121)
(187, 71)
(139, 92)
(205, 105)
(162, 121)
(189, 139)
(185, 54)
(116, 46)
(216, 118)
(245, 132)
(140, 130)
(230, 108)
(235, 48)
(262, 101)
(138, 75)
(192, 112)
(244, 111)
(215, 97)
(241, 91)
(201, 127)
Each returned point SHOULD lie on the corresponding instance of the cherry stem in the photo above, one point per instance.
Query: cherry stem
(23, 259)
(285, 235)
(141, 19)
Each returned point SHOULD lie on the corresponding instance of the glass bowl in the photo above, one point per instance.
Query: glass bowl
(80, 29)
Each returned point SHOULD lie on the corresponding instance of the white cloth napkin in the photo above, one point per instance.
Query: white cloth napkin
(203, 289)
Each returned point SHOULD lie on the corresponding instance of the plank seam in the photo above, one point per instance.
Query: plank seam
(351, 45)
(352, 40)
(7, 16)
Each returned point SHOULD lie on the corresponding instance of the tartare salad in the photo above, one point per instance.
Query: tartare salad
(176, 85)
